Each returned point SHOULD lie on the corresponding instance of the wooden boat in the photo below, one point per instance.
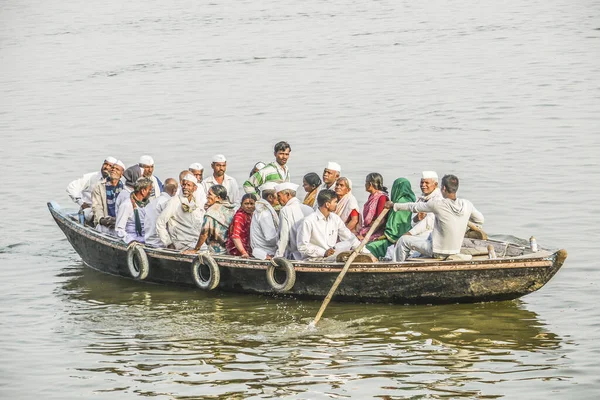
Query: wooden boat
(516, 272)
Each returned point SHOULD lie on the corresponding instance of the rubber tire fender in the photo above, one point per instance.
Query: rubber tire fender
(137, 261)
(215, 274)
(290, 274)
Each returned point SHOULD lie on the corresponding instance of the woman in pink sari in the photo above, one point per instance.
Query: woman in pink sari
(374, 206)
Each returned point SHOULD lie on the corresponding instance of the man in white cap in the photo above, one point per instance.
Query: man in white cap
(291, 215)
(197, 170)
(265, 223)
(147, 166)
(323, 234)
(180, 223)
(423, 222)
(219, 177)
(276, 171)
(80, 190)
(104, 199)
(331, 173)
(154, 209)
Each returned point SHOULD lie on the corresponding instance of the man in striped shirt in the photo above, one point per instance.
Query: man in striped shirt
(276, 171)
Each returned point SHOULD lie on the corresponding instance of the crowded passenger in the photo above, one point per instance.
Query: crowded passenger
(311, 183)
(331, 174)
(398, 222)
(291, 215)
(197, 170)
(276, 171)
(257, 167)
(347, 206)
(180, 223)
(374, 205)
(265, 223)
(147, 167)
(451, 218)
(219, 177)
(238, 239)
(80, 190)
(129, 225)
(423, 222)
(104, 199)
(154, 208)
(130, 176)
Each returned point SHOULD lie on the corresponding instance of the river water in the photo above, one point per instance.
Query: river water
(503, 94)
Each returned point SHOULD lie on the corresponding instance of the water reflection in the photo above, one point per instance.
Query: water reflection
(183, 342)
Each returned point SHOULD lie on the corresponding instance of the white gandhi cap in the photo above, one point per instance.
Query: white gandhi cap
(191, 178)
(268, 186)
(286, 185)
(196, 166)
(333, 166)
(429, 175)
(110, 160)
(146, 160)
(120, 164)
(219, 158)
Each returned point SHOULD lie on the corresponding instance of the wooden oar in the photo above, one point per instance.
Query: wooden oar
(347, 265)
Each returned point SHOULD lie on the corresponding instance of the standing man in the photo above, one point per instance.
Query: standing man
(451, 217)
(104, 198)
(80, 190)
(219, 177)
(265, 224)
(323, 234)
(423, 222)
(147, 166)
(291, 215)
(129, 225)
(331, 173)
(180, 223)
(276, 171)
(154, 209)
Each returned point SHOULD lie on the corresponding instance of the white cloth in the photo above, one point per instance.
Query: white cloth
(153, 210)
(345, 206)
(199, 195)
(80, 190)
(125, 224)
(124, 195)
(321, 187)
(425, 226)
(155, 188)
(290, 217)
(263, 230)
(408, 243)
(318, 234)
(233, 190)
(451, 218)
(179, 227)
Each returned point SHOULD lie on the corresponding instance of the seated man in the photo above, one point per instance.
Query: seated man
(290, 216)
(331, 174)
(130, 218)
(219, 177)
(265, 224)
(154, 209)
(197, 170)
(323, 234)
(104, 198)
(179, 225)
(130, 176)
(451, 218)
(276, 171)
(147, 168)
(80, 190)
(423, 222)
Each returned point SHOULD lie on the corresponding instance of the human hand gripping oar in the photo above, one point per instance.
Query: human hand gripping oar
(347, 266)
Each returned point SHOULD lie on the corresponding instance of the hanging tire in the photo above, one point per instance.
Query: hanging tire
(281, 264)
(137, 261)
(205, 272)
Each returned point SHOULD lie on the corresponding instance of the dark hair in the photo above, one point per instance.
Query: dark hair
(312, 179)
(450, 182)
(325, 196)
(282, 146)
(375, 179)
(266, 193)
(248, 196)
(219, 191)
(142, 183)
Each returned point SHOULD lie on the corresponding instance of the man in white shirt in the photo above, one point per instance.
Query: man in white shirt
(147, 167)
(154, 209)
(180, 223)
(451, 218)
(219, 177)
(423, 222)
(80, 190)
(265, 224)
(197, 170)
(129, 225)
(323, 234)
(331, 173)
(290, 216)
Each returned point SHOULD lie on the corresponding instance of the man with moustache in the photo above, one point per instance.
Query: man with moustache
(276, 171)
(104, 198)
(80, 190)
(129, 225)
(219, 177)
(180, 223)
(265, 223)
(154, 208)
(290, 217)
(146, 165)
(331, 174)
(423, 222)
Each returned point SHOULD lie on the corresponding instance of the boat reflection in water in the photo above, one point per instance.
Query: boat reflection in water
(155, 340)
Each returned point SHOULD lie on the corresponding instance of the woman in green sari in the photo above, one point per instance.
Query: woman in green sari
(398, 222)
